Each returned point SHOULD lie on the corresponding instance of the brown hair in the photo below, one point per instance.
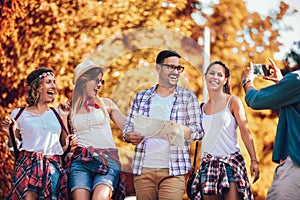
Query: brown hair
(227, 85)
(34, 82)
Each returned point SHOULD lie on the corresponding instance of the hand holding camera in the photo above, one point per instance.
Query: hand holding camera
(260, 69)
(269, 72)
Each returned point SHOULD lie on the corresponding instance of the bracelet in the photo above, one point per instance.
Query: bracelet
(254, 160)
(245, 81)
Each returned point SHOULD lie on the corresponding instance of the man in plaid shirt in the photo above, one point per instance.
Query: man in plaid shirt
(159, 167)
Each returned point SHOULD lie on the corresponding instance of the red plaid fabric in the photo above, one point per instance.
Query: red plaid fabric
(216, 178)
(31, 169)
(87, 155)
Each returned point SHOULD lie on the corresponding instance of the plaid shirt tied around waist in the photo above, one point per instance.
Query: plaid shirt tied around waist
(33, 169)
(216, 178)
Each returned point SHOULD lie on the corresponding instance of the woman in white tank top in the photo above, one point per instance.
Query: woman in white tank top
(223, 171)
(95, 171)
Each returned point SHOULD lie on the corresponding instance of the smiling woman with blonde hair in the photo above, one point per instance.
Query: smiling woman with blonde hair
(95, 166)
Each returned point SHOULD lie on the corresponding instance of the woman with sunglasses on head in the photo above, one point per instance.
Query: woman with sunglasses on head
(95, 166)
(39, 134)
(222, 171)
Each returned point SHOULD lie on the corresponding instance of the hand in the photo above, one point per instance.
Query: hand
(74, 142)
(248, 73)
(64, 109)
(5, 125)
(254, 170)
(276, 75)
(134, 137)
(187, 133)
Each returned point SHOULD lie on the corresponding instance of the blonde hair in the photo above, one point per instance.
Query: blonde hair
(79, 95)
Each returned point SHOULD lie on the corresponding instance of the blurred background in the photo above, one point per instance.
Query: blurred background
(124, 36)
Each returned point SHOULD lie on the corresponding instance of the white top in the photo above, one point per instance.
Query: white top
(157, 150)
(93, 130)
(39, 133)
(220, 138)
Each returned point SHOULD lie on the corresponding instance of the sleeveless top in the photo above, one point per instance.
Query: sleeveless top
(93, 129)
(220, 133)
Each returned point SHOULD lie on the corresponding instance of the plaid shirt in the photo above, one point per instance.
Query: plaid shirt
(216, 179)
(185, 111)
(34, 169)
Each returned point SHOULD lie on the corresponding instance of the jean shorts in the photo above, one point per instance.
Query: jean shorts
(204, 169)
(55, 177)
(83, 175)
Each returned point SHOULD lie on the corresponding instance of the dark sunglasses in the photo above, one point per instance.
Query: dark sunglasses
(173, 67)
(97, 81)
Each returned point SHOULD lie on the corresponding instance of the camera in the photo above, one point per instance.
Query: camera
(261, 69)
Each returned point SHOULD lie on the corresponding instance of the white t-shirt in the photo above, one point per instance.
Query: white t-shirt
(39, 133)
(157, 150)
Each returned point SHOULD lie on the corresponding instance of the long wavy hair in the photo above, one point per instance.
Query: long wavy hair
(79, 95)
(227, 85)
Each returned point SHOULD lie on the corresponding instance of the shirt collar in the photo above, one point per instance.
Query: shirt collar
(153, 89)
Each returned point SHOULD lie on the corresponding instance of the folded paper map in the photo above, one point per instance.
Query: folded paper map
(162, 129)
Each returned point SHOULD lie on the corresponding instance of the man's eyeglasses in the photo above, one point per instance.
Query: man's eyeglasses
(173, 67)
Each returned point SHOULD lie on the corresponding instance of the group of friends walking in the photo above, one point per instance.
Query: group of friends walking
(69, 152)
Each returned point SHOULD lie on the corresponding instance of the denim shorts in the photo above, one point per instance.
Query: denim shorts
(55, 177)
(83, 175)
(204, 172)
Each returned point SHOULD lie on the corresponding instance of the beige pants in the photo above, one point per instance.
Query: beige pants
(155, 183)
(286, 182)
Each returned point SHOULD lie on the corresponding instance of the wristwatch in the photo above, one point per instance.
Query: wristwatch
(245, 80)
(125, 139)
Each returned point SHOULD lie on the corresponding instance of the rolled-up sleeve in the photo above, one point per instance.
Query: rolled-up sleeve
(194, 118)
(129, 119)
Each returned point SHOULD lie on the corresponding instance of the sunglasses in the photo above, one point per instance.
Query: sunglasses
(97, 81)
(173, 67)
